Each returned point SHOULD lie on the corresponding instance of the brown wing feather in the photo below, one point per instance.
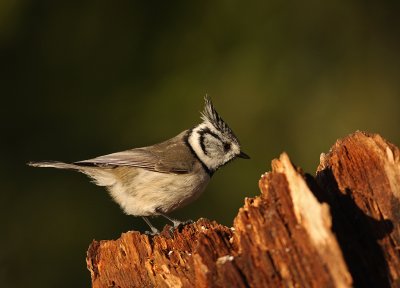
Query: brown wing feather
(171, 156)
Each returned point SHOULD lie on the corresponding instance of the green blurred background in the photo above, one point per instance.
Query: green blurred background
(93, 77)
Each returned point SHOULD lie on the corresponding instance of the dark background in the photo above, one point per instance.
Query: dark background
(83, 79)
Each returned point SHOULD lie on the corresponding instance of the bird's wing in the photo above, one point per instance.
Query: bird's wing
(171, 156)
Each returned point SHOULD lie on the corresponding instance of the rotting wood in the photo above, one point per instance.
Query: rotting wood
(328, 231)
(360, 180)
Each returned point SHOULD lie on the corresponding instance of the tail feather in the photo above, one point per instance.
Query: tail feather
(100, 176)
(53, 164)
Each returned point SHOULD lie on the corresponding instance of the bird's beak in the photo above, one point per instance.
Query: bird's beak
(243, 155)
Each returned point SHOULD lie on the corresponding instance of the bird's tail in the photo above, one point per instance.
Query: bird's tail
(53, 164)
(100, 176)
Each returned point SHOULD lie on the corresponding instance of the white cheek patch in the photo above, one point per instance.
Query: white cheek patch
(214, 146)
(194, 141)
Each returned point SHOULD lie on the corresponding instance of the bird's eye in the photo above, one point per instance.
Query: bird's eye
(227, 147)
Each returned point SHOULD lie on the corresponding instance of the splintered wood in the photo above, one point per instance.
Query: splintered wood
(339, 229)
(360, 179)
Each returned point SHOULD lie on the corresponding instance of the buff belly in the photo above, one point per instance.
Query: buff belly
(141, 192)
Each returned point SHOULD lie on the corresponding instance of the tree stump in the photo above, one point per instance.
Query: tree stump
(337, 229)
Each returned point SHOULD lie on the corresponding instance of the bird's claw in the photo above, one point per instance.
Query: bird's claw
(179, 225)
(152, 232)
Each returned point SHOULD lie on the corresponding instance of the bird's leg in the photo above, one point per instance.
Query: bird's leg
(176, 222)
(154, 230)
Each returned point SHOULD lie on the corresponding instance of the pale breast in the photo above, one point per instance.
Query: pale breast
(141, 192)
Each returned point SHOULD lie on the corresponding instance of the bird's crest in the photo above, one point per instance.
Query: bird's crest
(209, 114)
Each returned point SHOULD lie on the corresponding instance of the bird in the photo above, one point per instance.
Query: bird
(156, 180)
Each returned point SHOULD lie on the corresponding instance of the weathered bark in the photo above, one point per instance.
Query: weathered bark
(360, 179)
(340, 229)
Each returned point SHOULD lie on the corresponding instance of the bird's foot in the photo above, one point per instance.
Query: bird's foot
(152, 233)
(154, 230)
(178, 225)
(184, 223)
